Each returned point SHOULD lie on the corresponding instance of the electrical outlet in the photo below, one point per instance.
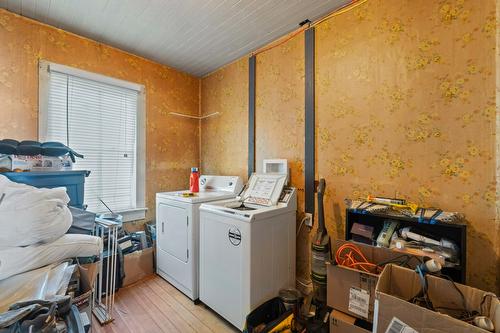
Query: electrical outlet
(308, 220)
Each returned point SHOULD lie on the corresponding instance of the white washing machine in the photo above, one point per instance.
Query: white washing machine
(177, 230)
(247, 247)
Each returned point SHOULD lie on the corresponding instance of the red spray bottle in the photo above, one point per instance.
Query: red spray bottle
(194, 184)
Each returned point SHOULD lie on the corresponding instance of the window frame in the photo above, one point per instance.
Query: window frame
(45, 67)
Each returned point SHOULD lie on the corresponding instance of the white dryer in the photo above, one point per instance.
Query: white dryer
(177, 230)
(247, 247)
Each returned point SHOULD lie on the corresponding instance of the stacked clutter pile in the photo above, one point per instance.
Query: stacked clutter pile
(399, 207)
(35, 269)
(35, 156)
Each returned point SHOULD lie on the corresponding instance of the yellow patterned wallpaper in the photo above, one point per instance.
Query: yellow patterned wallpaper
(224, 138)
(279, 117)
(405, 102)
(171, 142)
(406, 107)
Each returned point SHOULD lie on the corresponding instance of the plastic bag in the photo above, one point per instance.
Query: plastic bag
(37, 284)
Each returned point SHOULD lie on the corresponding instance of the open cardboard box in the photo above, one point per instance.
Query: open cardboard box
(88, 274)
(138, 265)
(343, 323)
(352, 291)
(397, 285)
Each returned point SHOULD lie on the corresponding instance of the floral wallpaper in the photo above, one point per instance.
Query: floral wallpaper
(405, 106)
(172, 145)
(279, 118)
(224, 138)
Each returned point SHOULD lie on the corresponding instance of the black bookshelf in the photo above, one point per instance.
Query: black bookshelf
(456, 232)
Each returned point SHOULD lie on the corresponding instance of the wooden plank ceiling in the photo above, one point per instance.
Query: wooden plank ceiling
(195, 36)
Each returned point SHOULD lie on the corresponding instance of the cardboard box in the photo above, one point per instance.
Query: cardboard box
(88, 275)
(352, 291)
(398, 285)
(137, 265)
(343, 323)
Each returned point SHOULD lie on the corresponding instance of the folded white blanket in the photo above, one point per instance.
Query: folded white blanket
(15, 260)
(30, 215)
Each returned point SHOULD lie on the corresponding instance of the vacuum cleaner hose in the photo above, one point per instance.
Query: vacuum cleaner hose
(321, 217)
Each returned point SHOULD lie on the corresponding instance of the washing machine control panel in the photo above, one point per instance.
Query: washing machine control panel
(286, 194)
(231, 184)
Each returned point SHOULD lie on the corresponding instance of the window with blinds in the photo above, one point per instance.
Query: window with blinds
(98, 120)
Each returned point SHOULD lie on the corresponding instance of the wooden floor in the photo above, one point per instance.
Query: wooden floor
(153, 305)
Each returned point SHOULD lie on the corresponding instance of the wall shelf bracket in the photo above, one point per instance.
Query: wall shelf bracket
(193, 117)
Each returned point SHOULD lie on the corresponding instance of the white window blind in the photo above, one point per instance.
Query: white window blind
(98, 120)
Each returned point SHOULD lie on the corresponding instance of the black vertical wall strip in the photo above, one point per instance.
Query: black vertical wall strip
(251, 115)
(309, 164)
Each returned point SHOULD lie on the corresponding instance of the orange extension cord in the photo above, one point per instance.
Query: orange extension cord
(350, 255)
(351, 5)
